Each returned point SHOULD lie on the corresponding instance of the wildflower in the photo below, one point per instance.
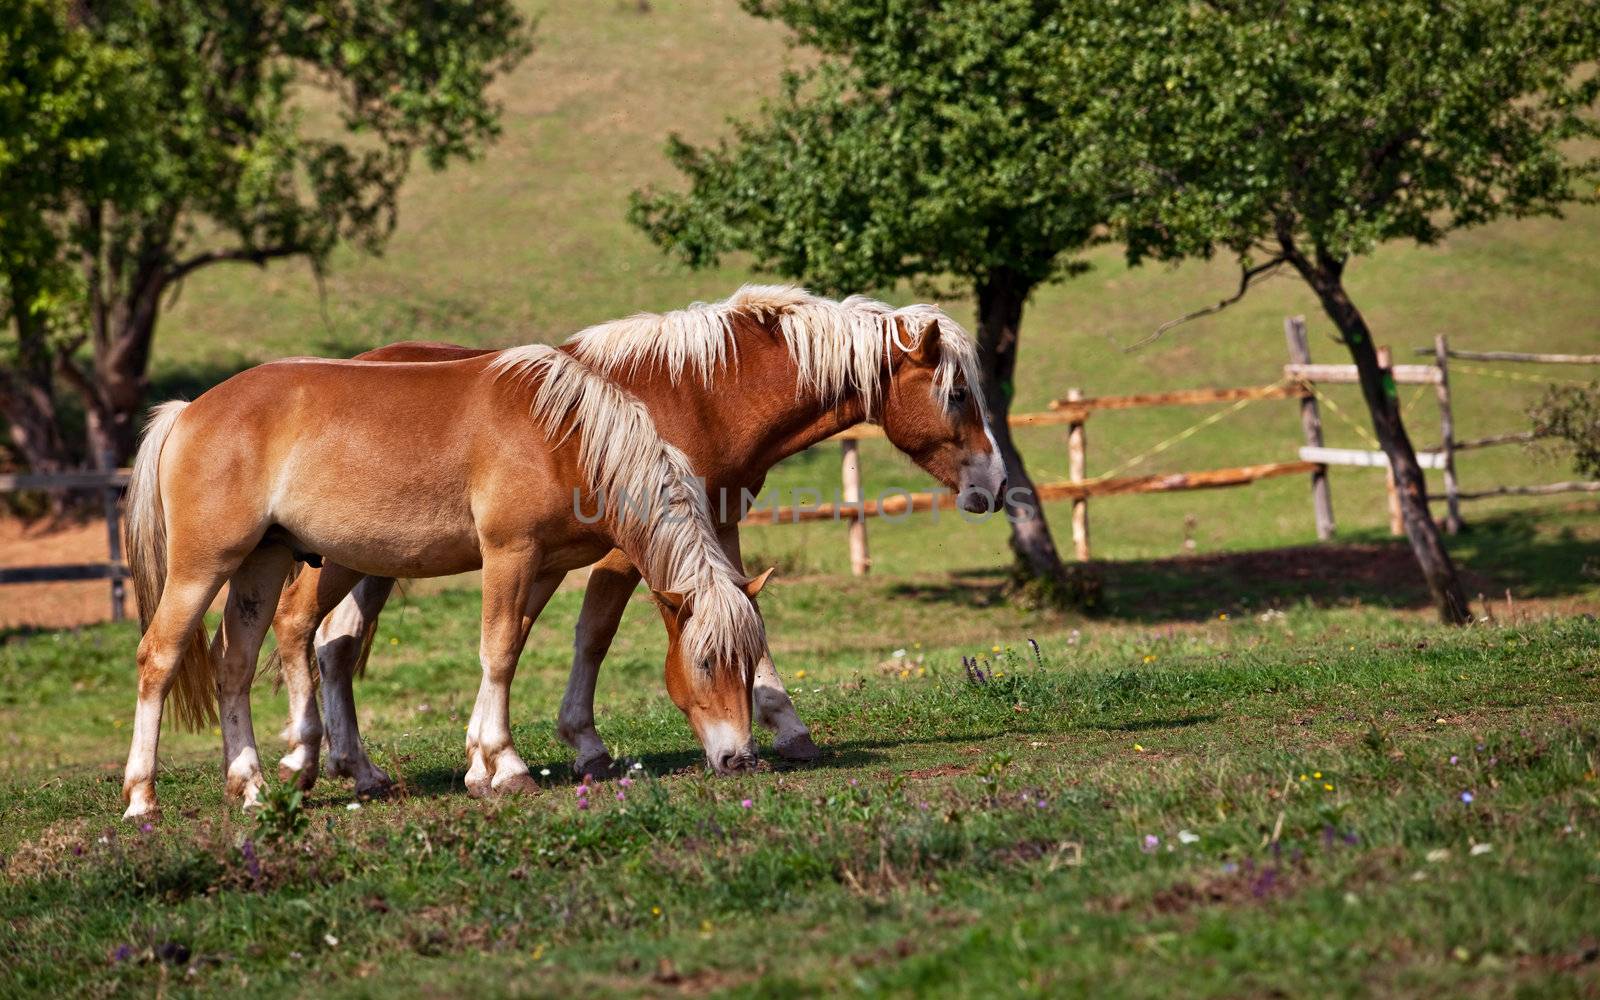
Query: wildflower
(394, 641)
(1151, 842)
(1481, 849)
(799, 675)
(583, 791)
(1138, 748)
(923, 806)
(922, 671)
(1222, 617)
(746, 804)
(330, 940)
(1327, 787)
(994, 649)
(1467, 797)
(146, 827)
(899, 654)
(655, 911)
(1149, 659)
(1303, 778)
(904, 674)
(1042, 804)
(1188, 837)
(123, 953)
(638, 765)
(1316, 774)
(583, 803)
(622, 796)
(544, 772)
(352, 807)
(1438, 854)
(625, 782)
(1454, 759)
(538, 952)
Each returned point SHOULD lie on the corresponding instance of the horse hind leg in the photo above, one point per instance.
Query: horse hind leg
(171, 643)
(253, 593)
(312, 594)
(342, 644)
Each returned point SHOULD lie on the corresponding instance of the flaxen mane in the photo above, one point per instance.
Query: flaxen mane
(839, 347)
(652, 500)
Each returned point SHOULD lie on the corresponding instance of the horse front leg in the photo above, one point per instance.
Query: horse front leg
(771, 702)
(513, 597)
(611, 585)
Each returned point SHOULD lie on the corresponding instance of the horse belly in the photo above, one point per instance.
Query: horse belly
(380, 529)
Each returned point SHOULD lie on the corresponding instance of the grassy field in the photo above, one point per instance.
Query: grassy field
(1252, 777)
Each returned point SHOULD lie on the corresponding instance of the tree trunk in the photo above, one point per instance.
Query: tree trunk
(1326, 277)
(1001, 294)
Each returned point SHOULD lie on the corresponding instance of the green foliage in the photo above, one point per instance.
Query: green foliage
(1572, 413)
(1343, 124)
(281, 816)
(922, 141)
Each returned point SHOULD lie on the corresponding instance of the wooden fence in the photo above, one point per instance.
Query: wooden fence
(110, 484)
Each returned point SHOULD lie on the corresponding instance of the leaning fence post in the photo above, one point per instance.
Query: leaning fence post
(1447, 431)
(1294, 331)
(111, 500)
(850, 476)
(1077, 463)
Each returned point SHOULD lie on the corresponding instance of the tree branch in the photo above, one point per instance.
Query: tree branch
(241, 255)
(1247, 276)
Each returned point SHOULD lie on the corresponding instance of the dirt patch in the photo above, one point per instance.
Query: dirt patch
(53, 605)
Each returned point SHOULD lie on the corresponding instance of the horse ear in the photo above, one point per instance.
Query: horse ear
(753, 587)
(927, 350)
(672, 602)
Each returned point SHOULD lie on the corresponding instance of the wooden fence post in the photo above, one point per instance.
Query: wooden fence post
(1077, 465)
(111, 500)
(1294, 331)
(850, 475)
(1447, 431)
(1397, 524)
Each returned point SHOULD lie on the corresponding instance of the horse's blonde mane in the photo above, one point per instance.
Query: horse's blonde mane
(667, 517)
(840, 348)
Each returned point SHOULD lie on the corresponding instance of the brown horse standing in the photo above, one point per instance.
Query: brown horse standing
(738, 385)
(420, 470)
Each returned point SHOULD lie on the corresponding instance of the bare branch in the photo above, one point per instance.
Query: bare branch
(241, 255)
(1247, 277)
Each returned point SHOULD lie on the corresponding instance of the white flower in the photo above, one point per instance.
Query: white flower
(1478, 849)
(898, 654)
(353, 806)
(1439, 854)
(1188, 838)
(544, 772)
(332, 941)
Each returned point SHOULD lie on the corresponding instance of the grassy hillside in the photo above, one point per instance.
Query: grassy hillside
(529, 244)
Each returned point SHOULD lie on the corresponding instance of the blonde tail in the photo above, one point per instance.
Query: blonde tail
(194, 692)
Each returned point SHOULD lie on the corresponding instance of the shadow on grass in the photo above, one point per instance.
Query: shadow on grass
(1534, 554)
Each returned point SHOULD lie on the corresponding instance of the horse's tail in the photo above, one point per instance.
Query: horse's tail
(194, 691)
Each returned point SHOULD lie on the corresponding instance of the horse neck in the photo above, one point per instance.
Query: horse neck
(752, 416)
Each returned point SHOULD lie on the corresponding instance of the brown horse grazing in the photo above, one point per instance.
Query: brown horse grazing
(514, 464)
(738, 385)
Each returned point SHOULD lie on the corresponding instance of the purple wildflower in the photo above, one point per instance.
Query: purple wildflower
(146, 827)
(1467, 797)
(1454, 759)
(1151, 842)
(583, 803)
(622, 796)
(746, 804)
(625, 782)
(123, 953)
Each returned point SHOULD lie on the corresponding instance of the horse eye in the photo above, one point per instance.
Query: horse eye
(958, 395)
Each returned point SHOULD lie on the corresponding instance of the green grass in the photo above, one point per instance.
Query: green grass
(916, 857)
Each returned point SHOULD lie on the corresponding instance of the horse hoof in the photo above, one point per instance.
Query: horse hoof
(601, 766)
(799, 749)
(374, 788)
(517, 784)
(479, 788)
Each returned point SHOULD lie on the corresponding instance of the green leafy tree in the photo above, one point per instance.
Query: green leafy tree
(144, 140)
(1302, 135)
(922, 144)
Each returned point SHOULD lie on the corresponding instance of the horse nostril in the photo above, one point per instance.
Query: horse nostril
(734, 760)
